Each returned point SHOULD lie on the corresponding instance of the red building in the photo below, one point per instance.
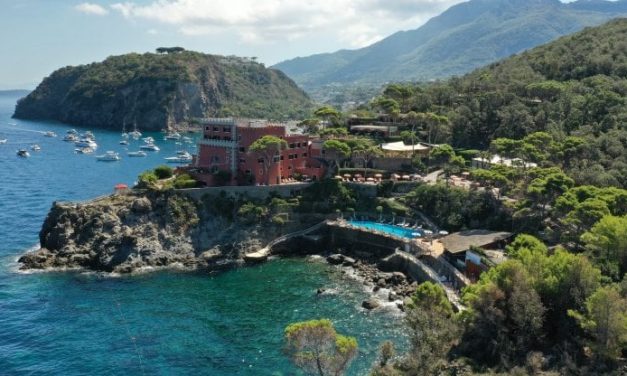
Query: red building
(224, 157)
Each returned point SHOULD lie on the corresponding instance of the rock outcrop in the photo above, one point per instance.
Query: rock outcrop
(125, 233)
(154, 91)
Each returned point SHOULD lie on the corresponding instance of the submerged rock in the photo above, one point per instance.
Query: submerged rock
(371, 303)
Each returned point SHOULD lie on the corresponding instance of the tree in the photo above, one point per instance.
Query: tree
(605, 319)
(366, 152)
(606, 242)
(268, 147)
(328, 114)
(336, 150)
(432, 330)
(164, 172)
(316, 348)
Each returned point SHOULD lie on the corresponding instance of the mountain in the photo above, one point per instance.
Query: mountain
(154, 91)
(466, 36)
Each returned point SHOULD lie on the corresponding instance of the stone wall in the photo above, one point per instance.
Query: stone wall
(256, 192)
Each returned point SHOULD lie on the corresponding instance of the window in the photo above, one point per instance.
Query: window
(206, 128)
(298, 144)
(216, 129)
(282, 158)
(215, 159)
(275, 158)
(242, 150)
(226, 129)
(242, 160)
(261, 172)
(227, 138)
(260, 160)
(304, 154)
(292, 146)
(289, 167)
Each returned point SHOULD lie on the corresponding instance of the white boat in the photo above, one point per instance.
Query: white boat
(135, 134)
(35, 147)
(187, 140)
(181, 157)
(150, 147)
(3, 141)
(86, 143)
(109, 156)
(70, 137)
(72, 131)
(123, 142)
(173, 136)
(23, 153)
(124, 135)
(148, 140)
(84, 150)
(88, 135)
(136, 153)
(50, 134)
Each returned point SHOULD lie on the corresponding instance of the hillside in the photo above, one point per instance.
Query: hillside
(573, 89)
(466, 36)
(157, 90)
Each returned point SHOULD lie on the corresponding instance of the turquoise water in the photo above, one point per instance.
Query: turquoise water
(389, 229)
(166, 323)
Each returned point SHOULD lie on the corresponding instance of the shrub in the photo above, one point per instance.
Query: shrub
(163, 172)
(185, 181)
(146, 179)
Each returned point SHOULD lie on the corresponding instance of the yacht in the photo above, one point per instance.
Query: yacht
(124, 135)
(70, 137)
(88, 135)
(3, 141)
(86, 143)
(173, 136)
(50, 134)
(150, 147)
(123, 142)
(187, 140)
(35, 147)
(135, 134)
(72, 131)
(136, 153)
(109, 156)
(181, 157)
(23, 153)
(84, 150)
(148, 140)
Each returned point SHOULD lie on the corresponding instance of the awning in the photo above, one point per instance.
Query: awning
(400, 146)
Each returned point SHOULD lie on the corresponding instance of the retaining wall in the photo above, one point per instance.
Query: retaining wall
(256, 192)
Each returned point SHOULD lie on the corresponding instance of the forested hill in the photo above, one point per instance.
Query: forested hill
(153, 91)
(466, 36)
(574, 89)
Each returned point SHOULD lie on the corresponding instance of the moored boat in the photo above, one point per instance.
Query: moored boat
(109, 156)
(50, 134)
(150, 147)
(3, 141)
(70, 137)
(136, 153)
(86, 143)
(23, 153)
(173, 136)
(123, 142)
(35, 147)
(181, 157)
(84, 150)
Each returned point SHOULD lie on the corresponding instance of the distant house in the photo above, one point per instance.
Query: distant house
(224, 157)
(498, 160)
(379, 130)
(459, 249)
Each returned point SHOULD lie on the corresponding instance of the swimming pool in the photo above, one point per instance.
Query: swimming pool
(390, 229)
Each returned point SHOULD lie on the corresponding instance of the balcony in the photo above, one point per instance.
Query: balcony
(219, 143)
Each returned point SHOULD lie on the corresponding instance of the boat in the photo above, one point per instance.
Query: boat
(3, 141)
(84, 150)
(70, 137)
(35, 147)
(173, 136)
(86, 143)
(50, 134)
(136, 153)
(135, 134)
(148, 140)
(181, 157)
(88, 135)
(124, 135)
(123, 142)
(72, 131)
(23, 153)
(187, 140)
(109, 156)
(150, 147)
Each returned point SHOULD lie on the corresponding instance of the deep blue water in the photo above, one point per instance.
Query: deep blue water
(167, 323)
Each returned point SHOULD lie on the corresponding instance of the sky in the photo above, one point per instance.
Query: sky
(40, 36)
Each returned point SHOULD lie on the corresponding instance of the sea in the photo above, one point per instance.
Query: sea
(162, 323)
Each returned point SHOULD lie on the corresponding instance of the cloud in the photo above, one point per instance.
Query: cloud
(355, 22)
(90, 8)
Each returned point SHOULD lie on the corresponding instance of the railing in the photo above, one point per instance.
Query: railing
(294, 234)
(221, 143)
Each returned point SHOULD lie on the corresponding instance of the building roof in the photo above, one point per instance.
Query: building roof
(509, 162)
(462, 241)
(373, 127)
(400, 146)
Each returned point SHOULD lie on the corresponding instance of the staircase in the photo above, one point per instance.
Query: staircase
(262, 254)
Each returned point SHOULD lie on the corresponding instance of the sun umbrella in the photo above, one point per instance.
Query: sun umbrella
(347, 175)
(378, 175)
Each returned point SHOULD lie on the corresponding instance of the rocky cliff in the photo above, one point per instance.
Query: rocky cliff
(125, 233)
(154, 91)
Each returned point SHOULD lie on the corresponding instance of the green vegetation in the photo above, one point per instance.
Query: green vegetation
(318, 349)
(151, 90)
(561, 104)
(269, 147)
(163, 172)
